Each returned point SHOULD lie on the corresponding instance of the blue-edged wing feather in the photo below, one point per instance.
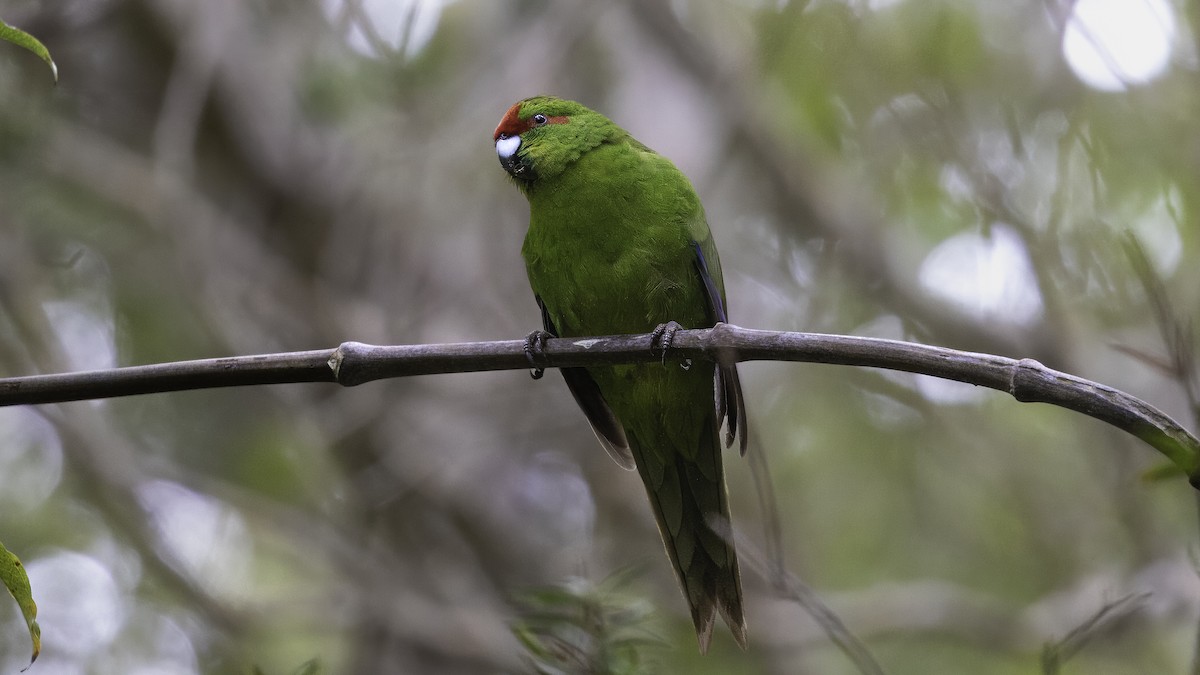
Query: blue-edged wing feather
(728, 388)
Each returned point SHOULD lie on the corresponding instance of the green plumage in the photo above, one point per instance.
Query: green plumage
(618, 243)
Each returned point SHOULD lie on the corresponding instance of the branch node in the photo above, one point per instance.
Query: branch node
(1025, 377)
(344, 360)
(724, 336)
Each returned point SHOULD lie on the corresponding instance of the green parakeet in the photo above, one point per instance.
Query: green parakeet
(618, 243)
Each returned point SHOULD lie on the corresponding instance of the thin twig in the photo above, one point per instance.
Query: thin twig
(793, 588)
(1056, 654)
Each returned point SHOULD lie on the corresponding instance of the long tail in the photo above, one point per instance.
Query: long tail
(685, 492)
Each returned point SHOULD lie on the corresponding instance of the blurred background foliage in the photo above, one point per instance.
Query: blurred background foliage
(236, 177)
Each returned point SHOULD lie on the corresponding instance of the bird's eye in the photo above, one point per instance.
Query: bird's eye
(539, 119)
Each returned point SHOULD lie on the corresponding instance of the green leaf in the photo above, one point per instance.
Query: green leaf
(22, 39)
(12, 573)
(577, 626)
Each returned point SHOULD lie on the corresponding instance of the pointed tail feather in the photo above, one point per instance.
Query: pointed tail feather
(685, 494)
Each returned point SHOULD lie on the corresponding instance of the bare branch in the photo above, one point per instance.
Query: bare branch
(354, 363)
(237, 371)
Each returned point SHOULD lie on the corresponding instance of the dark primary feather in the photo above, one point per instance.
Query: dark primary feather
(728, 388)
(587, 395)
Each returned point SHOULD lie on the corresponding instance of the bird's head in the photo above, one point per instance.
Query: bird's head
(540, 137)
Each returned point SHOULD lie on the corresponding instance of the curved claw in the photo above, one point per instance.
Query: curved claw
(535, 343)
(662, 336)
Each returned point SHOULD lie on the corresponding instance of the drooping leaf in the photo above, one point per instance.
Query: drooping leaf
(22, 39)
(12, 573)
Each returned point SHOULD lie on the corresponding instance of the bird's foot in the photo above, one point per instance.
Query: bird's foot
(535, 344)
(661, 338)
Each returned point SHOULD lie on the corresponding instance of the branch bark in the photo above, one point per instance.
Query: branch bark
(354, 363)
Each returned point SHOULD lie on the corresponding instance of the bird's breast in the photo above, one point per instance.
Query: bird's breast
(608, 248)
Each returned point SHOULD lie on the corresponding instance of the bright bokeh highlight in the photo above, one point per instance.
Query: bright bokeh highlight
(1113, 45)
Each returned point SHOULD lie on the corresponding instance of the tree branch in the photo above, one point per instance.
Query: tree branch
(354, 363)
